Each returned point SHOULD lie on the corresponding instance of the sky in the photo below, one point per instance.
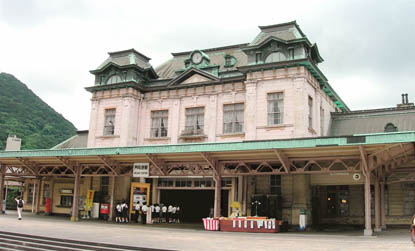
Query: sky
(51, 45)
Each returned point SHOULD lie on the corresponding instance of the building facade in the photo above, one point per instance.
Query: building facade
(268, 90)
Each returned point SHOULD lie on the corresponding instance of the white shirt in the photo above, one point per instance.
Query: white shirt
(164, 209)
(170, 209)
(119, 208)
(157, 208)
(137, 207)
(152, 208)
(144, 208)
(173, 210)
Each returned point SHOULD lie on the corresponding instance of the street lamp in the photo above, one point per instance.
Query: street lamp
(256, 203)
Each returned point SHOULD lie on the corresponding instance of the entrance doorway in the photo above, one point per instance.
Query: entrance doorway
(194, 204)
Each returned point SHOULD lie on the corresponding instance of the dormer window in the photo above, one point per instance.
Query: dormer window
(229, 61)
(391, 128)
(291, 53)
(114, 79)
(275, 56)
(102, 80)
(258, 57)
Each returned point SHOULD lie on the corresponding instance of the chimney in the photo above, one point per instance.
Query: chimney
(405, 102)
(13, 143)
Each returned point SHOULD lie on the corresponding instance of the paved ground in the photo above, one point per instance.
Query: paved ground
(193, 238)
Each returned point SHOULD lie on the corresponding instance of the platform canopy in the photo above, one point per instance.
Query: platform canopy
(393, 152)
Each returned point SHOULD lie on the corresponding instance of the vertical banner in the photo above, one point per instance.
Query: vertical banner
(140, 194)
(89, 200)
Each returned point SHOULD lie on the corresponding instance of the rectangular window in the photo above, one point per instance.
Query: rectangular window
(275, 184)
(66, 200)
(258, 57)
(275, 108)
(409, 198)
(109, 122)
(30, 193)
(159, 123)
(195, 120)
(46, 193)
(321, 121)
(291, 53)
(233, 118)
(105, 183)
(310, 112)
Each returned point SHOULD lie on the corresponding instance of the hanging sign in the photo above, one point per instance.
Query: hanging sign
(141, 169)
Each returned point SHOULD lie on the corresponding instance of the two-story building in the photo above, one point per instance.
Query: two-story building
(247, 122)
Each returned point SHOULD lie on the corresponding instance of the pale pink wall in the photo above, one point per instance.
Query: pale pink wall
(133, 114)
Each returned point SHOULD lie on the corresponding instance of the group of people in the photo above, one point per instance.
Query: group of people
(121, 212)
(160, 213)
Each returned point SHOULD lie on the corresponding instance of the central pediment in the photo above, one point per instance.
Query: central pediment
(193, 76)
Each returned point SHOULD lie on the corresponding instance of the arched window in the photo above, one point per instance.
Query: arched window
(275, 57)
(389, 127)
(114, 79)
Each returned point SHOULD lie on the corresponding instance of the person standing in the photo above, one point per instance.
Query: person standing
(173, 214)
(118, 212)
(124, 212)
(144, 214)
(169, 213)
(178, 213)
(20, 204)
(157, 213)
(164, 213)
(137, 212)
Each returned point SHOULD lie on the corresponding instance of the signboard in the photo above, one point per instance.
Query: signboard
(89, 199)
(140, 193)
(66, 191)
(141, 169)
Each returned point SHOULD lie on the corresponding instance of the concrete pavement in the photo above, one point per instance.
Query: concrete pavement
(196, 239)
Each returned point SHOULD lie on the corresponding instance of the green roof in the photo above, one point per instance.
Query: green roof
(366, 139)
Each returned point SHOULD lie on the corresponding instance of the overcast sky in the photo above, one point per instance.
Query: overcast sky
(51, 45)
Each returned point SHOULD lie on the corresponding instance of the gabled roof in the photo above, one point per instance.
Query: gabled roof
(190, 72)
(168, 69)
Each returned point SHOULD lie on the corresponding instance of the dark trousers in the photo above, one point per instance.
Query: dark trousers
(143, 218)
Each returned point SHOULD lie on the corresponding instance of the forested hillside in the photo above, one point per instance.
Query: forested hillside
(24, 114)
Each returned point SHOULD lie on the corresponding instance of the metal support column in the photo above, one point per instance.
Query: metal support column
(377, 206)
(75, 201)
(2, 178)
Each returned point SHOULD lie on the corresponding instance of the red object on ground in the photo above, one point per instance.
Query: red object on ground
(105, 208)
(47, 206)
(250, 225)
(211, 224)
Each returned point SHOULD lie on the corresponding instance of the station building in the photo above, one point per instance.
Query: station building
(253, 122)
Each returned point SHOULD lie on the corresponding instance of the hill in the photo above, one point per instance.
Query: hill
(24, 114)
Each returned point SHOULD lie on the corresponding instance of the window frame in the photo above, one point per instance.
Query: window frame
(109, 121)
(68, 200)
(195, 127)
(310, 112)
(236, 107)
(157, 117)
(271, 115)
